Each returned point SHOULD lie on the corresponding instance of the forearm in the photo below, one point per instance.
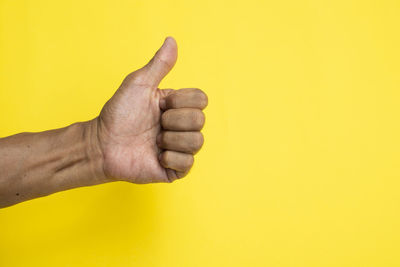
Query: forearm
(38, 164)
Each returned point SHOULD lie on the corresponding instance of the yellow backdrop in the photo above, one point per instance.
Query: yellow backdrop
(301, 165)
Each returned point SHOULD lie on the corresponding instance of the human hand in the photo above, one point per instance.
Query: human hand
(147, 134)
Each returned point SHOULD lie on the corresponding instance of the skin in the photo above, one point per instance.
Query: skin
(143, 135)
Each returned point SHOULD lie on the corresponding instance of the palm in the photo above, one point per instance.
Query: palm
(128, 126)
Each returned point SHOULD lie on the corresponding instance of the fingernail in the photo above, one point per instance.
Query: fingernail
(158, 139)
(162, 103)
(160, 156)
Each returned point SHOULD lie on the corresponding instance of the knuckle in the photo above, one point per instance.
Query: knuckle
(135, 78)
(162, 60)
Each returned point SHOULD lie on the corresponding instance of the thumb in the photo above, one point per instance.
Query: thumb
(162, 62)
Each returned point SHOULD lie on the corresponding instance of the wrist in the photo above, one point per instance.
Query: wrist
(93, 150)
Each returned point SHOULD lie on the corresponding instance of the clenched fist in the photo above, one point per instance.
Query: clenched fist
(147, 134)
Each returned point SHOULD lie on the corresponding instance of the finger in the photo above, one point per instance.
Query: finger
(178, 161)
(183, 119)
(184, 98)
(187, 142)
(158, 67)
(174, 175)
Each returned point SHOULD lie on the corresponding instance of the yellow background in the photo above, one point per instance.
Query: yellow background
(301, 165)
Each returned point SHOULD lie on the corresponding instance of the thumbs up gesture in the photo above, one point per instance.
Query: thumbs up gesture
(147, 134)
